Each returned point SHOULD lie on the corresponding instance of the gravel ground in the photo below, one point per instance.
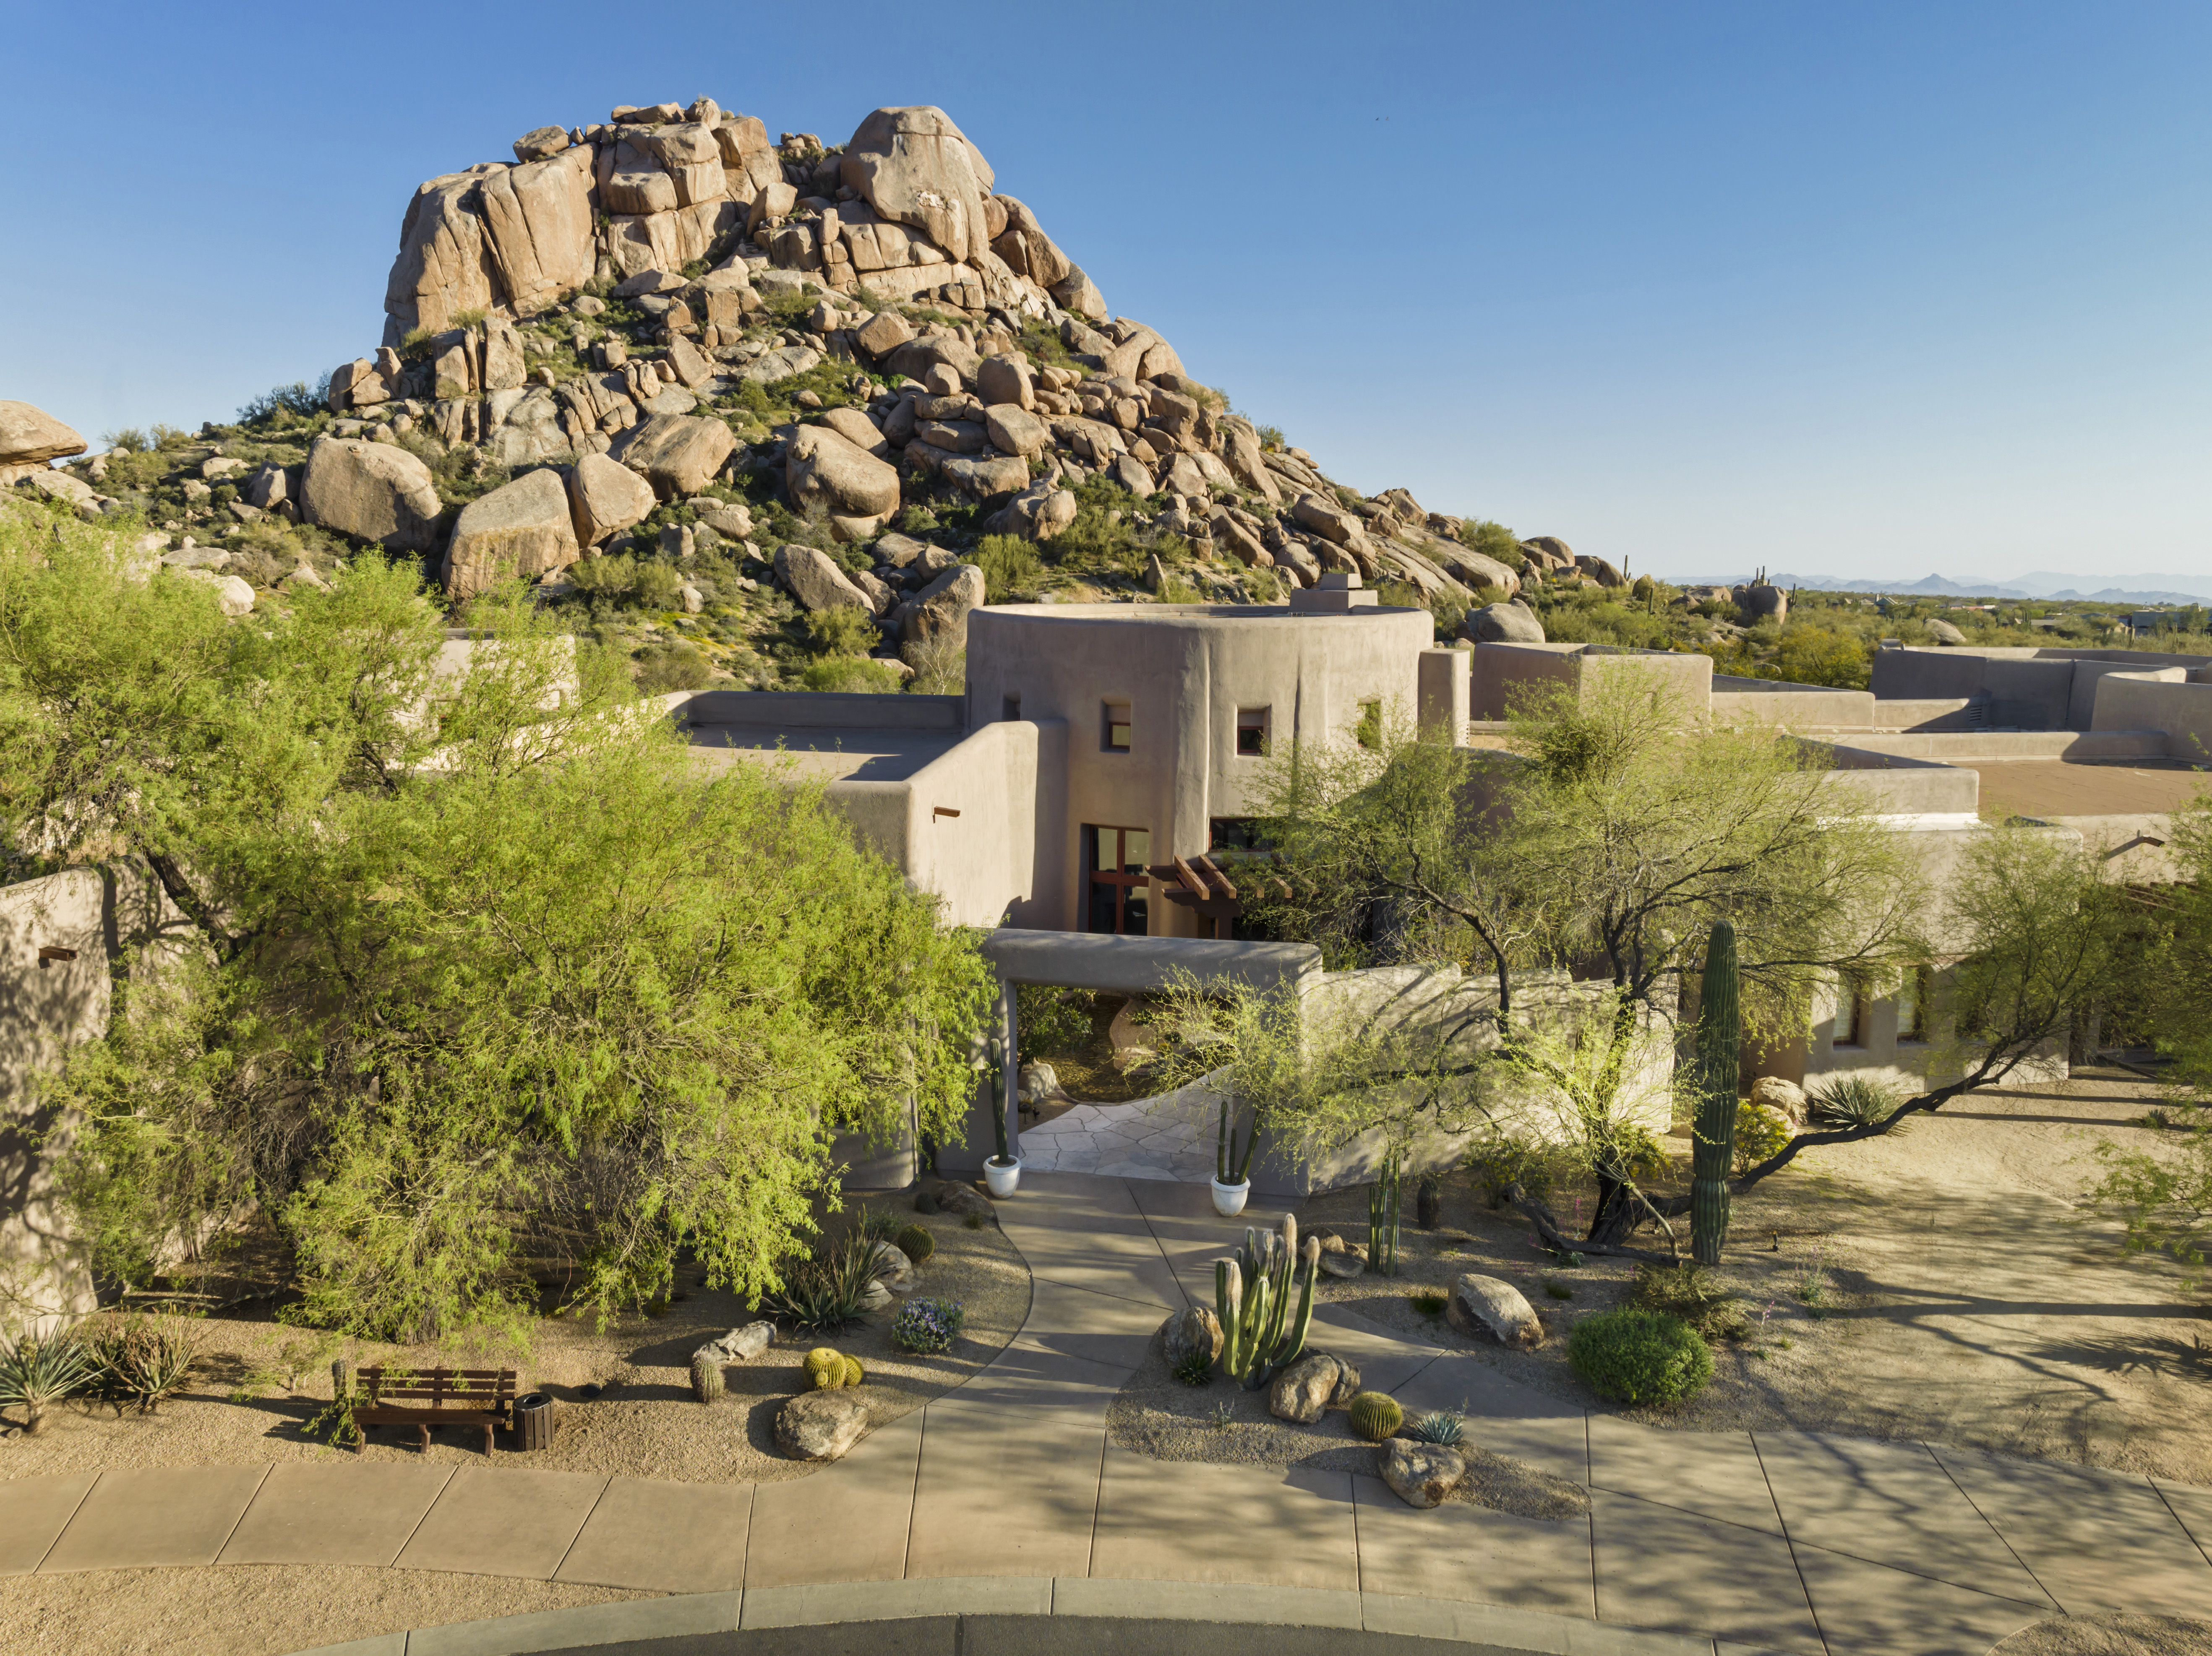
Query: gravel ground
(255, 1610)
(2111, 1635)
(1960, 1293)
(645, 1424)
(1155, 1414)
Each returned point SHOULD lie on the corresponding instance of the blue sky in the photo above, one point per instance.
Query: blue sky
(1867, 290)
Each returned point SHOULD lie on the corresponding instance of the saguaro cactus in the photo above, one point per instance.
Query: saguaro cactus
(1720, 1035)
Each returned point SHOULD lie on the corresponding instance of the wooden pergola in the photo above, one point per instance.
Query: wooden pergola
(1200, 883)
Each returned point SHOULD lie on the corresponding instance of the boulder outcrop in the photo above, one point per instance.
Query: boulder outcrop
(372, 491)
(522, 529)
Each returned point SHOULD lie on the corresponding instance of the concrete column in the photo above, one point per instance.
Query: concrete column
(1444, 681)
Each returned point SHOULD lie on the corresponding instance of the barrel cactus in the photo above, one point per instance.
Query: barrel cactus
(825, 1369)
(1720, 1033)
(854, 1374)
(705, 1377)
(916, 1243)
(1376, 1416)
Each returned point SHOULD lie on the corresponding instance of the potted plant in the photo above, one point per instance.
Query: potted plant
(1232, 1168)
(1002, 1172)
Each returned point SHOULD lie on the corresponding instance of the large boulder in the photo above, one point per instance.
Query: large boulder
(1327, 518)
(524, 528)
(856, 428)
(1005, 379)
(915, 166)
(882, 333)
(1241, 454)
(1943, 633)
(1014, 430)
(1037, 513)
(372, 491)
(605, 498)
(1761, 602)
(445, 264)
(823, 468)
(1599, 570)
(538, 229)
(235, 597)
(821, 1425)
(1478, 569)
(1502, 624)
(983, 477)
(676, 453)
(1489, 1304)
(1423, 1474)
(941, 609)
(30, 436)
(814, 579)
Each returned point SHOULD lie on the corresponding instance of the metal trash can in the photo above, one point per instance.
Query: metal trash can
(533, 1422)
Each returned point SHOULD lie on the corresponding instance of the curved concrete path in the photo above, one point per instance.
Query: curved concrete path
(1779, 1542)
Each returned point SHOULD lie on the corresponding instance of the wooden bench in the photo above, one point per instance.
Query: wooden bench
(435, 1397)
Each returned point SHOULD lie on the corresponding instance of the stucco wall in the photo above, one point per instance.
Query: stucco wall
(1503, 674)
(2158, 700)
(1184, 672)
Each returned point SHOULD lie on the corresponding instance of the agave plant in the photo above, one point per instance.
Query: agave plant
(35, 1373)
(1440, 1426)
(1850, 1102)
(830, 1290)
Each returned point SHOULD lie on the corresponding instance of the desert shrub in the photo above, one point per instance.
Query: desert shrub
(785, 308)
(940, 666)
(35, 1373)
(1499, 1160)
(1051, 1019)
(1639, 1356)
(1820, 655)
(1271, 437)
(612, 576)
(1010, 566)
(674, 665)
(850, 676)
(130, 440)
(1429, 1301)
(924, 1327)
(144, 1357)
(299, 398)
(1690, 1292)
(844, 630)
(1850, 1102)
(1494, 540)
(1760, 1133)
(1194, 1368)
(915, 520)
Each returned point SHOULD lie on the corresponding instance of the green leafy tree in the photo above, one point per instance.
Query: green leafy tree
(476, 981)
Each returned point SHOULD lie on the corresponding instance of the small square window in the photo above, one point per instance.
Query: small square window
(1252, 733)
(1117, 727)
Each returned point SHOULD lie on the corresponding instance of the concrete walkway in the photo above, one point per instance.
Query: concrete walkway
(1775, 1542)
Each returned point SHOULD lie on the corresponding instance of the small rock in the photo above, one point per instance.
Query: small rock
(1342, 1262)
(1423, 1474)
(875, 1297)
(820, 1425)
(1190, 1332)
(964, 1200)
(891, 1268)
(739, 1345)
(1484, 1302)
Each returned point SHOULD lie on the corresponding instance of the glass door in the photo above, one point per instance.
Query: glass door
(1114, 880)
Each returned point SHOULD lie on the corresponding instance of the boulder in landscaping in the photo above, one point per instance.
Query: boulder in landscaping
(524, 528)
(1190, 1333)
(1785, 1098)
(739, 1345)
(821, 1425)
(891, 1267)
(1479, 1303)
(233, 595)
(941, 609)
(372, 491)
(1423, 1474)
(1943, 633)
(1310, 1385)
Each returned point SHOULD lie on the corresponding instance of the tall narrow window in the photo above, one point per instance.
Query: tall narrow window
(1851, 1012)
(1369, 733)
(1116, 719)
(1251, 732)
(1114, 882)
(1912, 997)
(1012, 709)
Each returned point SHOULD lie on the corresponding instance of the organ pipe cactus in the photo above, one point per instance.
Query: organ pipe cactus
(1383, 1218)
(1252, 1295)
(1720, 1035)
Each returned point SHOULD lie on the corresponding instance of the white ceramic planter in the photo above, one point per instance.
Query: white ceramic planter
(1003, 1177)
(1229, 1199)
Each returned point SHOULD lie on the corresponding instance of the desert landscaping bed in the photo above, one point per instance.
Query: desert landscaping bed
(1941, 1284)
(643, 1422)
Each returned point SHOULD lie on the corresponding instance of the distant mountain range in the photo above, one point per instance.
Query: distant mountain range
(2040, 583)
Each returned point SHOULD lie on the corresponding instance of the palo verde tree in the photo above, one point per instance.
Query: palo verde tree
(475, 980)
(1602, 841)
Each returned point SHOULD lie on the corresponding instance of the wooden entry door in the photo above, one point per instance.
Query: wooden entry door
(1115, 882)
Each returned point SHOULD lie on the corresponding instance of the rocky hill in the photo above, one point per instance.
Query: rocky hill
(710, 391)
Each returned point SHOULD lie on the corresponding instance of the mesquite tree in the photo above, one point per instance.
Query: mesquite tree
(1720, 1029)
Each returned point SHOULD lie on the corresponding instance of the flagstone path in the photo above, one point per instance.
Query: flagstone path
(1773, 1542)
